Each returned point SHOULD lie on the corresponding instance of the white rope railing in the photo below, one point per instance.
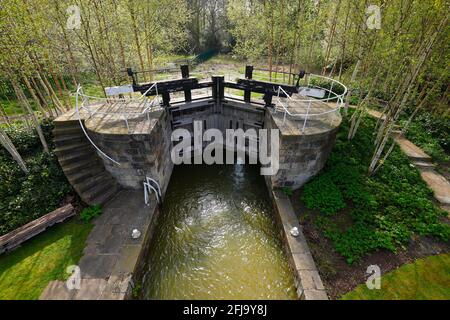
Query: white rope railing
(121, 103)
(332, 95)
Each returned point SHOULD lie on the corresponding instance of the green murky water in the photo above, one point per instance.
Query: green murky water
(216, 238)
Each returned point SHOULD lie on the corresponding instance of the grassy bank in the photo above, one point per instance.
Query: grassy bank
(361, 214)
(25, 272)
(425, 279)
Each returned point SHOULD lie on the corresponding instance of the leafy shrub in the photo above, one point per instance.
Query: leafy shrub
(386, 209)
(25, 197)
(27, 143)
(323, 194)
(287, 191)
(90, 213)
(432, 134)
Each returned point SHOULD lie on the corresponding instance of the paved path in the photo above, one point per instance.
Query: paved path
(111, 256)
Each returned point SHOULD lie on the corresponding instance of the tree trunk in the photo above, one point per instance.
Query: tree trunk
(23, 101)
(9, 146)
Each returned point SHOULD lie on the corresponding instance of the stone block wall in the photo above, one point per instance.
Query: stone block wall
(139, 155)
(301, 156)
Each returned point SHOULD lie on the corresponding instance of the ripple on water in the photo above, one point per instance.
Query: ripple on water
(216, 239)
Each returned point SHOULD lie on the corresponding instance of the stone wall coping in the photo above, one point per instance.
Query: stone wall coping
(308, 281)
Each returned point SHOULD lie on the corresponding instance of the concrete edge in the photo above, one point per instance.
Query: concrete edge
(306, 276)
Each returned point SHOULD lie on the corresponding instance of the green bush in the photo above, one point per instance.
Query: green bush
(90, 213)
(25, 197)
(432, 134)
(384, 210)
(323, 194)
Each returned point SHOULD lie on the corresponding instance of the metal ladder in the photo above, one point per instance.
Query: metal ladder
(151, 185)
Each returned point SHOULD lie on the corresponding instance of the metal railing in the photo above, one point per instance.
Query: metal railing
(142, 103)
(149, 186)
(329, 96)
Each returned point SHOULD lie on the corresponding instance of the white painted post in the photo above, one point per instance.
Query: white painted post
(306, 118)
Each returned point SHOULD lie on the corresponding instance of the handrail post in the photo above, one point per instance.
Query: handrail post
(306, 117)
(331, 89)
(185, 75)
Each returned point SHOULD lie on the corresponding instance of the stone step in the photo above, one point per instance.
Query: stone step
(106, 196)
(68, 140)
(446, 207)
(69, 137)
(90, 182)
(424, 164)
(57, 290)
(65, 131)
(80, 165)
(71, 147)
(439, 185)
(87, 173)
(411, 150)
(98, 190)
(77, 155)
(67, 124)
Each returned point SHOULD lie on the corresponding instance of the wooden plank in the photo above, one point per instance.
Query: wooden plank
(16, 237)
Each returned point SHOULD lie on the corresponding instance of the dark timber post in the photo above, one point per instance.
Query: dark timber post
(185, 75)
(248, 75)
(166, 99)
(218, 89)
(132, 75)
(268, 99)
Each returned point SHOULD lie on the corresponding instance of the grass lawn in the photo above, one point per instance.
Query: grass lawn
(26, 271)
(425, 279)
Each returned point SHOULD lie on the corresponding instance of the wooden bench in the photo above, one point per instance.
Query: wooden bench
(16, 237)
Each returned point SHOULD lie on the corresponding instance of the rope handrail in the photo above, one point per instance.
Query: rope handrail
(84, 129)
(123, 103)
(309, 101)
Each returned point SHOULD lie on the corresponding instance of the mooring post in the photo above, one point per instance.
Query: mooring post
(268, 99)
(248, 75)
(218, 89)
(166, 99)
(184, 71)
(214, 87)
(132, 75)
(185, 75)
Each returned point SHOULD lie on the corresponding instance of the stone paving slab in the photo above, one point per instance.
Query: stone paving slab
(111, 256)
(57, 290)
(91, 289)
(437, 183)
(411, 150)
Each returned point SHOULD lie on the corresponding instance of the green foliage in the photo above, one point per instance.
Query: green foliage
(384, 210)
(90, 213)
(432, 134)
(424, 279)
(25, 197)
(287, 191)
(324, 195)
(26, 271)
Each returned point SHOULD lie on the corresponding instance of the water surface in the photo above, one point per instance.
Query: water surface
(216, 238)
